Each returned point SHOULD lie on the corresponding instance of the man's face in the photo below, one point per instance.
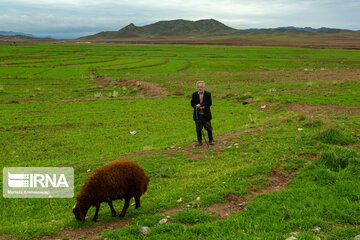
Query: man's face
(200, 87)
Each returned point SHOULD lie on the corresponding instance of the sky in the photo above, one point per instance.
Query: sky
(76, 18)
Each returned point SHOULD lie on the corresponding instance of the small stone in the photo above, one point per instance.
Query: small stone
(132, 204)
(300, 129)
(357, 237)
(236, 144)
(172, 147)
(263, 106)
(291, 238)
(198, 199)
(258, 151)
(53, 221)
(229, 146)
(242, 205)
(89, 170)
(191, 205)
(164, 220)
(316, 229)
(179, 200)
(295, 233)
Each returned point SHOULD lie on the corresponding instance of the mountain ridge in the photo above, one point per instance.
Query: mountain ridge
(202, 27)
(169, 28)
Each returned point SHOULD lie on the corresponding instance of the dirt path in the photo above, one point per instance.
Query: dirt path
(194, 152)
(146, 88)
(89, 233)
(321, 110)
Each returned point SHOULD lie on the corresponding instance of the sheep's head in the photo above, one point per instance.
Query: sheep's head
(80, 212)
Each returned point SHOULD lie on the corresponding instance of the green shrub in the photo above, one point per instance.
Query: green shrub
(338, 158)
(334, 136)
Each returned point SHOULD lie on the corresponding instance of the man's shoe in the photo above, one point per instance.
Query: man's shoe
(211, 142)
(199, 144)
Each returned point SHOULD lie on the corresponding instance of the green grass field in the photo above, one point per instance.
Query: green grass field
(75, 104)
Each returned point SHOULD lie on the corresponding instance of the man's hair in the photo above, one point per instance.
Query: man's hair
(203, 83)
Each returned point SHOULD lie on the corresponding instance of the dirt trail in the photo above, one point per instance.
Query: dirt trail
(194, 152)
(89, 233)
(321, 110)
(146, 88)
(334, 76)
(235, 203)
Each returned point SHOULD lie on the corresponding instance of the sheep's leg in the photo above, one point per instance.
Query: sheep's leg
(112, 209)
(96, 212)
(137, 202)
(126, 205)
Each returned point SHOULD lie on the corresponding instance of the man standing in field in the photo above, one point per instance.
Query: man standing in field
(201, 102)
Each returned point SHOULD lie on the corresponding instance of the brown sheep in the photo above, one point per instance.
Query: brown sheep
(115, 180)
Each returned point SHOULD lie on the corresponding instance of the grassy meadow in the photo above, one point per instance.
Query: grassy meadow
(75, 105)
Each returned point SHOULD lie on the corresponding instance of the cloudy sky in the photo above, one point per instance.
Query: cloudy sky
(75, 18)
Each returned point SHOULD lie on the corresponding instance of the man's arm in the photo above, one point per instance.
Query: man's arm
(193, 103)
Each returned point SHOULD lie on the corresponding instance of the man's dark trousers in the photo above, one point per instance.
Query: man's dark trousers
(207, 125)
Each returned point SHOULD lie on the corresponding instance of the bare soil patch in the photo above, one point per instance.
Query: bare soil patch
(321, 110)
(334, 76)
(146, 88)
(90, 233)
(235, 203)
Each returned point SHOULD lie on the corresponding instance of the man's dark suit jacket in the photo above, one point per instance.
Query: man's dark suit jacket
(195, 99)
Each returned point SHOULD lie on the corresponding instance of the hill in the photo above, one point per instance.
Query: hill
(173, 28)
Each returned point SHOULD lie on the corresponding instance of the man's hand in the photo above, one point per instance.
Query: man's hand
(198, 105)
